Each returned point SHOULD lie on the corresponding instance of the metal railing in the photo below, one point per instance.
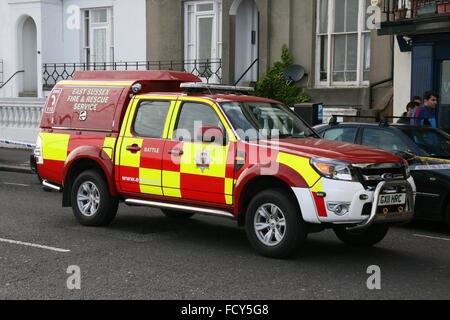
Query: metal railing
(396, 10)
(209, 70)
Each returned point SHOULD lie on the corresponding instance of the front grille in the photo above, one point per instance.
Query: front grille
(371, 174)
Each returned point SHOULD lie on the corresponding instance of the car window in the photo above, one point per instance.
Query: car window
(383, 139)
(341, 134)
(434, 142)
(192, 117)
(262, 120)
(151, 118)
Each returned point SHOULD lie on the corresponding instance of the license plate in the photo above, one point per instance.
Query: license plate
(392, 199)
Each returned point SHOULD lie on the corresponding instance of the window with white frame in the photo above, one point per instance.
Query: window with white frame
(98, 36)
(343, 43)
(203, 34)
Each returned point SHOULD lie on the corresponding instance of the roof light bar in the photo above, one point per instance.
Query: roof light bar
(214, 87)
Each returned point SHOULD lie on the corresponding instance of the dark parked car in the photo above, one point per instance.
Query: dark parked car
(426, 149)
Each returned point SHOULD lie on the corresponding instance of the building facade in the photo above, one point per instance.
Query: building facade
(347, 65)
(422, 56)
(47, 40)
(342, 57)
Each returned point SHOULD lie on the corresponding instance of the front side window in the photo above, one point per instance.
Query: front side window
(343, 43)
(435, 143)
(192, 117)
(383, 140)
(151, 118)
(261, 120)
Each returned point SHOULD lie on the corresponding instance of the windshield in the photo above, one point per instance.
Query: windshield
(262, 120)
(434, 142)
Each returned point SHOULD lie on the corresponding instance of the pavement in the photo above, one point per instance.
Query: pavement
(15, 160)
(144, 255)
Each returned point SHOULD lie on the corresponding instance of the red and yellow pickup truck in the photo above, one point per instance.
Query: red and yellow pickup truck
(163, 139)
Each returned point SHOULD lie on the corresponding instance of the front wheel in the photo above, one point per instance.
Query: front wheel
(274, 225)
(92, 204)
(363, 237)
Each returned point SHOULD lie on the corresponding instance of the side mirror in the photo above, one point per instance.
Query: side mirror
(211, 134)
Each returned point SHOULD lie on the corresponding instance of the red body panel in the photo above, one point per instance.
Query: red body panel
(332, 149)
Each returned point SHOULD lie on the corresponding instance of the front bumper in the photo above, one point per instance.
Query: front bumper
(363, 209)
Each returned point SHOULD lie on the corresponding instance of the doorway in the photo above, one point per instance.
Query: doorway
(247, 42)
(29, 53)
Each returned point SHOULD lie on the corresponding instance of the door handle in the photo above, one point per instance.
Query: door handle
(176, 152)
(134, 148)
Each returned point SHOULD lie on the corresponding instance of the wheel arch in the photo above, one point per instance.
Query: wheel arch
(258, 184)
(87, 159)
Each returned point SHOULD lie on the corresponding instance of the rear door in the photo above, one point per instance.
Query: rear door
(143, 138)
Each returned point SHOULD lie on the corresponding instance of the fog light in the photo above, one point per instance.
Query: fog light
(339, 208)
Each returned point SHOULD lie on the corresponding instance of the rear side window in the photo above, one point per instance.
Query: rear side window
(341, 134)
(383, 140)
(151, 118)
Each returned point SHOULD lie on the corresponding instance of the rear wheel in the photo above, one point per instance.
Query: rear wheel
(363, 237)
(177, 214)
(92, 204)
(274, 225)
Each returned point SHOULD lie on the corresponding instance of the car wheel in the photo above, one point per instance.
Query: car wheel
(172, 214)
(363, 237)
(274, 225)
(92, 203)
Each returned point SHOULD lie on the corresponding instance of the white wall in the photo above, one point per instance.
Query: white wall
(56, 43)
(402, 80)
(129, 30)
(13, 14)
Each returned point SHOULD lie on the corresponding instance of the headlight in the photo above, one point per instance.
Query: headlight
(333, 169)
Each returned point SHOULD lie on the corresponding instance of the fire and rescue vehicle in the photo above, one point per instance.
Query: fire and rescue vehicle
(164, 139)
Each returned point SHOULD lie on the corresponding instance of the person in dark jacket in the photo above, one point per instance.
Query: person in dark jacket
(406, 116)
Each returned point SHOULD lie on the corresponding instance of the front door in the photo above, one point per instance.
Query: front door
(142, 146)
(192, 168)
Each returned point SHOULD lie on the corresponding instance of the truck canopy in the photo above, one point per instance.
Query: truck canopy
(97, 100)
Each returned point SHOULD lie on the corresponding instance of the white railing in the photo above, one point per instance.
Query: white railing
(12, 116)
(19, 120)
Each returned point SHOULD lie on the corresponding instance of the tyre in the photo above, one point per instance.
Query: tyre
(274, 225)
(177, 214)
(364, 237)
(92, 204)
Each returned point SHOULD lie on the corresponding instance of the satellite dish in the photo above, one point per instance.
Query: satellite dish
(294, 73)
